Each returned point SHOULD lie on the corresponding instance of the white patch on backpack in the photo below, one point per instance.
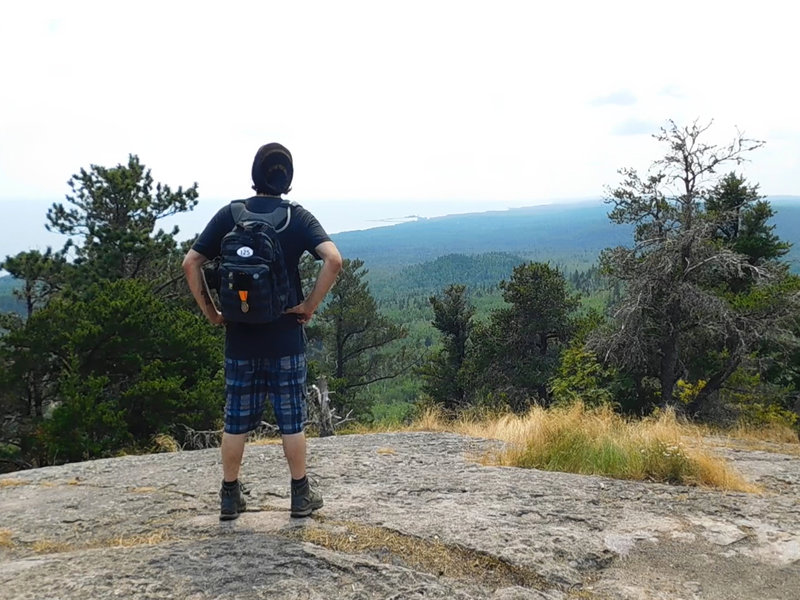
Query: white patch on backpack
(245, 252)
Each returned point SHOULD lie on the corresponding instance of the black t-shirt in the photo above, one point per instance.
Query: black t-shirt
(304, 233)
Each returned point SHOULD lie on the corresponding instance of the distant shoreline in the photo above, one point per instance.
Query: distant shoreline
(23, 229)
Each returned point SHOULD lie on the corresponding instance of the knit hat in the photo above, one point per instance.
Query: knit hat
(272, 169)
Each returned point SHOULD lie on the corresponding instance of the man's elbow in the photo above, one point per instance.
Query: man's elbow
(192, 261)
(187, 264)
(336, 261)
(330, 256)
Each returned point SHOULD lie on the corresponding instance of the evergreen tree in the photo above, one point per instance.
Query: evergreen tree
(683, 309)
(41, 275)
(113, 215)
(743, 217)
(356, 339)
(516, 353)
(121, 365)
(443, 380)
(104, 358)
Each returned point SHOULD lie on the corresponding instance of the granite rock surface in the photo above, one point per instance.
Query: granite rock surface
(407, 515)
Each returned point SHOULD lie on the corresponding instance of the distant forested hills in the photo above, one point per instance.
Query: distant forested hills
(9, 302)
(787, 225)
(476, 271)
(570, 236)
(573, 233)
(480, 249)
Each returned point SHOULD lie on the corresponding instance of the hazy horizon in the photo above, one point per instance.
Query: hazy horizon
(26, 230)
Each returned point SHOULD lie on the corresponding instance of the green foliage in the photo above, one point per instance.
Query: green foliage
(113, 213)
(758, 403)
(743, 218)
(352, 341)
(702, 288)
(688, 392)
(40, 275)
(442, 373)
(516, 352)
(141, 363)
(105, 357)
(581, 378)
(9, 296)
(391, 413)
(85, 424)
(475, 271)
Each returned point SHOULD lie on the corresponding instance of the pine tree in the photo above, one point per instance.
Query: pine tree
(356, 338)
(443, 379)
(516, 353)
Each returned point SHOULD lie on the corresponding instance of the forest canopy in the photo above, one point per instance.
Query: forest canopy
(692, 304)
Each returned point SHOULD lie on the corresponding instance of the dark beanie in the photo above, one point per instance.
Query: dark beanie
(272, 170)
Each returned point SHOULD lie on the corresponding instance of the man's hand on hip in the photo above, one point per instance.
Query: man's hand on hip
(216, 318)
(303, 311)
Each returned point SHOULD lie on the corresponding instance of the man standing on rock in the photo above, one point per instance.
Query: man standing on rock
(265, 359)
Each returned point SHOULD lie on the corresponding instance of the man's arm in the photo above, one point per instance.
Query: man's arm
(331, 265)
(192, 268)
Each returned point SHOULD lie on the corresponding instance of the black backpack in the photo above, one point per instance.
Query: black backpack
(254, 284)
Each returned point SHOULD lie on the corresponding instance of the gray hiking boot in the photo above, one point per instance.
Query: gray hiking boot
(305, 500)
(232, 502)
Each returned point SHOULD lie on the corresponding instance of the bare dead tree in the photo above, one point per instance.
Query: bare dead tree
(321, 413)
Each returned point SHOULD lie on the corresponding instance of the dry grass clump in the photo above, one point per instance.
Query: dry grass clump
(50, 547)
(599, 442)
(759, 442)
(12, 482)
(165, 443)
(432, 556)
(149, 539)
(120, 541)
(5, 539)
(773, 432)
(357, 428)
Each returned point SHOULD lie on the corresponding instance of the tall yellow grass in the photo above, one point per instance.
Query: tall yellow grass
(598, 442)
(774, 433)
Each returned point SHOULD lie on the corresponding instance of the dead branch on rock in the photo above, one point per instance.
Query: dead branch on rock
(200, 440)
(321, 413)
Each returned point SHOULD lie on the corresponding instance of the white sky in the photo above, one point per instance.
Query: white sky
(504, 103)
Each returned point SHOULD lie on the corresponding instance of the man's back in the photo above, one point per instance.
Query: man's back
(303, 234)
(267, 361)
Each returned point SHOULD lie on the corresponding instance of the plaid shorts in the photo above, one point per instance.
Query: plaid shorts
(249, 382)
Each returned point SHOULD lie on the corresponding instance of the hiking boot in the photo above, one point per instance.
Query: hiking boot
(305, 500)
(232, 502)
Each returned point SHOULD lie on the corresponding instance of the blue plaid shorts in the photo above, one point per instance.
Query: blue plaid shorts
(249, 382)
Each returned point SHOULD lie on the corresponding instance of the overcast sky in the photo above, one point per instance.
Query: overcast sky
(502, 103)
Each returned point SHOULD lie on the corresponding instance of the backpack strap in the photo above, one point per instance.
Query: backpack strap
(275, 217)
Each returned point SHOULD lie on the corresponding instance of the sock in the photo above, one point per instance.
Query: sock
(297, 483)
(230, 485)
